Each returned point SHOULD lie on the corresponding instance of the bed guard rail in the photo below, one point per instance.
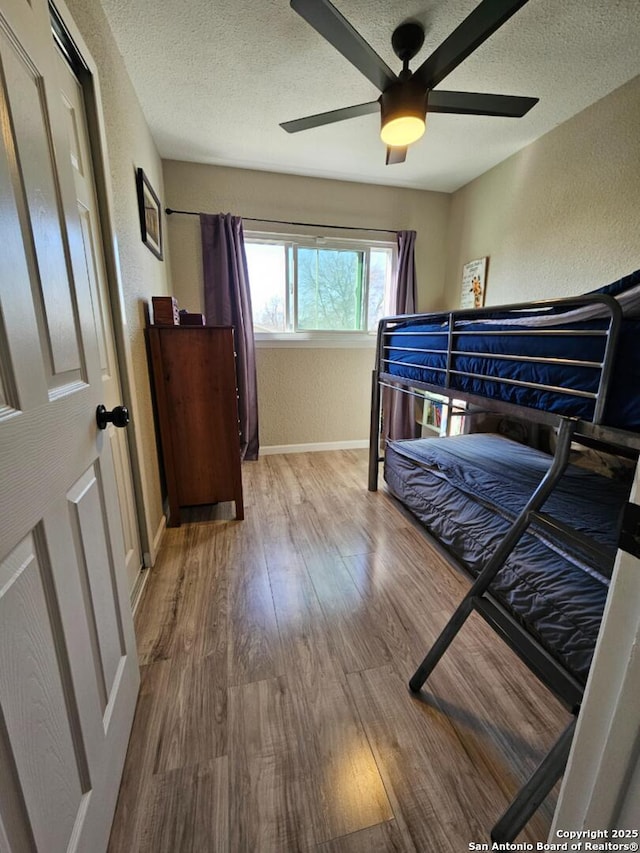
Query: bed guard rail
(457, 327)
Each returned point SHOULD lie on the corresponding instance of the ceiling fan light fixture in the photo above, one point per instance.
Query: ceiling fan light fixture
(403, 110)
(403, 130)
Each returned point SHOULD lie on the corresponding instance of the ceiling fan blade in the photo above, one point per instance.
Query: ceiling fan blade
(395, 155)
(485, 19)
(475, 103)
(330, 117)
(334, 27)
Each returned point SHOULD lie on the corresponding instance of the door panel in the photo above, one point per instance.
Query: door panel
(35, 703)
(74, 140)
(52, 280)
(68, 668)
(126, 500)
(90, 531)
(99, 309)
(4, 403)
(21, 364)
(15, 831)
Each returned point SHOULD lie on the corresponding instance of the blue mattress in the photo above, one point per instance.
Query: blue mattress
(466, 490)
(623, 402)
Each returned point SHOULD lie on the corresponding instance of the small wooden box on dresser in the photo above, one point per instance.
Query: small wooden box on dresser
(194, 375)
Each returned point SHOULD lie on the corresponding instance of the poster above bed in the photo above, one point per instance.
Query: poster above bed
(474, 280)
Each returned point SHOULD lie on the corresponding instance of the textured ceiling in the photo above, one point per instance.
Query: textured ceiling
(215, 78)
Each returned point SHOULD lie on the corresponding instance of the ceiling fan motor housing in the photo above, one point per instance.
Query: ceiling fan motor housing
(405, 98)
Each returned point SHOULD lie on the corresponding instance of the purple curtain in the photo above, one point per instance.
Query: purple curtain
(227, 302)
(398, 416)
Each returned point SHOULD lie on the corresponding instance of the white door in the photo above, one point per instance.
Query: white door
(68, 670)
(87, 202)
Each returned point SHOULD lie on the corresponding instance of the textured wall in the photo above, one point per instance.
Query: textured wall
(560, 217)
(130, 145)
(314, 395)
(306, 395)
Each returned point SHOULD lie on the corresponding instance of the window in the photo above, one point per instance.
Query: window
(307, 285)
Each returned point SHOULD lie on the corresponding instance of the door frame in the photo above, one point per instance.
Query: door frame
(86, 69)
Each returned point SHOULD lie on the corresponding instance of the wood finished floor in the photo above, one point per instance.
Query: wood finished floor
(274, 713)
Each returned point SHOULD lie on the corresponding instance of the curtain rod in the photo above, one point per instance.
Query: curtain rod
(169, 211)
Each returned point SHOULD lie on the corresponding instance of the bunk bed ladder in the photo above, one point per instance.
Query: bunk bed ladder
(543, 779)
(534, 791)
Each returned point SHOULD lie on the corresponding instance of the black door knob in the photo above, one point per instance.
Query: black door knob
(119, 416)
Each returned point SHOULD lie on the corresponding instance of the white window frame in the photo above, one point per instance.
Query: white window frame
(317, 338)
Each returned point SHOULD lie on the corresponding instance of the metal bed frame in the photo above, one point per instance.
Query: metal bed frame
(478, 598)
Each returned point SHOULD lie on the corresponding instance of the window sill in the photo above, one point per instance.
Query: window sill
(315, 340)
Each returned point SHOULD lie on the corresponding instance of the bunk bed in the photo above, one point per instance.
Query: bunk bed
(536, 534)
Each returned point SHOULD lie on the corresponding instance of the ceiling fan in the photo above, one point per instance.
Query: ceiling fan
(407, 97)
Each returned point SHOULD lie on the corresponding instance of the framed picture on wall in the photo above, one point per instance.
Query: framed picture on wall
(150, 211)
(474, 279)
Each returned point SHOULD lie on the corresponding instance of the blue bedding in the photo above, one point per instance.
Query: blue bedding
(466, 491)
(623, 402)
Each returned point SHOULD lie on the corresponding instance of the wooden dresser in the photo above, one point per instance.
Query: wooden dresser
(194, 376)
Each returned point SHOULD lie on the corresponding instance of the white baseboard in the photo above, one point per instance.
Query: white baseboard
(138, 589)
(355, 444)
(150, 559)
(149, 562)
